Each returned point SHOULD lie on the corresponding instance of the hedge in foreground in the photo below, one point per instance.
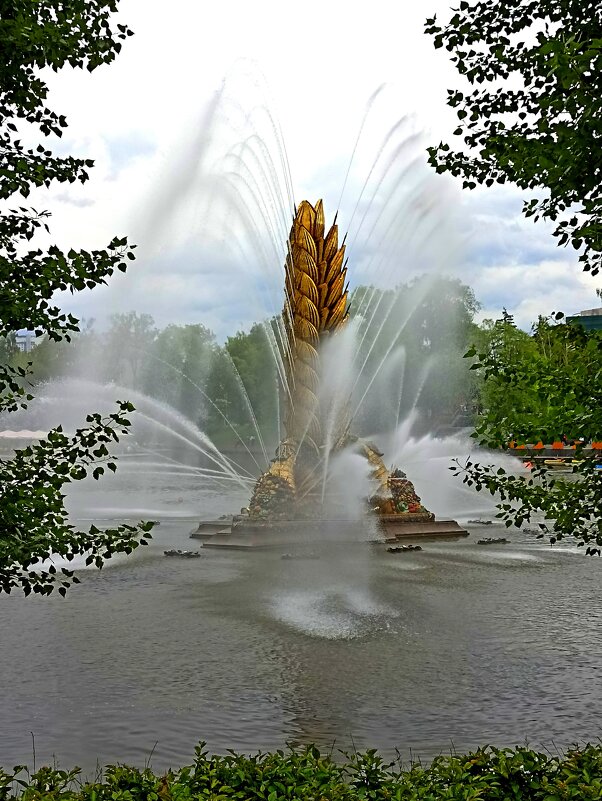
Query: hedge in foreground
(489, 774)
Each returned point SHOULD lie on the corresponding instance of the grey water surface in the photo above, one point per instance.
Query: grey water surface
(455, 646)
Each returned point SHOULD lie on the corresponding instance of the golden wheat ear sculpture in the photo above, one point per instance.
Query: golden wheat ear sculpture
(315, 305)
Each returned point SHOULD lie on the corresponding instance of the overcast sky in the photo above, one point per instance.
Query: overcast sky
(190, 129)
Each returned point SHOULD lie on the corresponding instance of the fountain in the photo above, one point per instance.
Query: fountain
(338, 374)
(291, 494)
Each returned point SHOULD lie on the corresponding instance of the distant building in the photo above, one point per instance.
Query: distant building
(590, 319)
(25, 340)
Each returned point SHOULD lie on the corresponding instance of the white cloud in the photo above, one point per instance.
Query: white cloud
(530, 290)
(168, 170)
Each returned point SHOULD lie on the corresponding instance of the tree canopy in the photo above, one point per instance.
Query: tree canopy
(534, 114)
(38, 34)
(534, 117)
(543, 388)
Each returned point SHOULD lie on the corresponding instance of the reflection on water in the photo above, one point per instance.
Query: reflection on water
(456, 644)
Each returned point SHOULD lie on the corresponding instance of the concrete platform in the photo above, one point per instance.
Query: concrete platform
(397, 529)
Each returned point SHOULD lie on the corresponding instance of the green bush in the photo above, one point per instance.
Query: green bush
(488, 774)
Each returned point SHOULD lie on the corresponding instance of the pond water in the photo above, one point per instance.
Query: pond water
(455, 646)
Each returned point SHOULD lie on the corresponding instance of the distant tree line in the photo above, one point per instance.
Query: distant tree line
(410, 355)
(180, 365)
(411, 344)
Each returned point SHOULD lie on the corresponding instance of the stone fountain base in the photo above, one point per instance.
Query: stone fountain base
(244, 533)
(396, 512)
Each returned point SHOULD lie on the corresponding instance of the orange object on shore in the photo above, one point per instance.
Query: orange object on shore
(558, 445)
